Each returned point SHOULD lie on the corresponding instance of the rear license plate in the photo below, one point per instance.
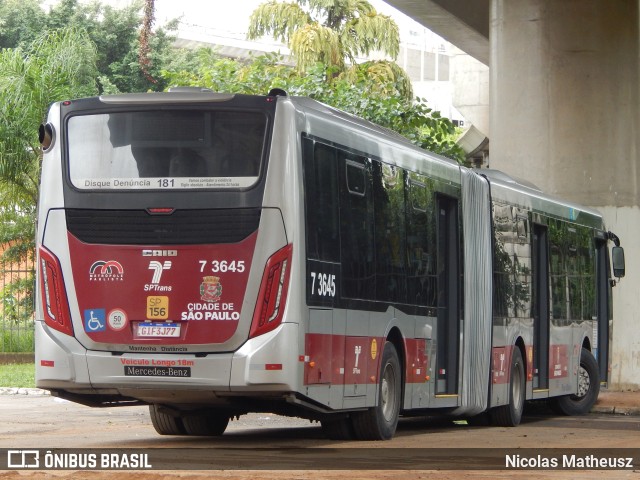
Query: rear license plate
(158, 330)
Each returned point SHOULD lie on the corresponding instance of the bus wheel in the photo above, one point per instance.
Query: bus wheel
(165, 423)
(588, 388)
(210, 424)
(338, 429)
(380, 422)
(509, 415)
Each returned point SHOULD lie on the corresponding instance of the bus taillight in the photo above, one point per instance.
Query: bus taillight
(273, 293)
(54, 297)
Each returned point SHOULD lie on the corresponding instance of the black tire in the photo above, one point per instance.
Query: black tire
(338, 429)
(380, 422)
(481, 420)
(509, 415)
(211, 424)
(588, 388)
(165, 423)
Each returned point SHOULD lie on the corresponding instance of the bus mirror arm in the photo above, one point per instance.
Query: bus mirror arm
(613, 237)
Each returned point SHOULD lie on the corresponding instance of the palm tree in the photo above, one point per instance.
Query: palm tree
(332, 32)
(58, 65)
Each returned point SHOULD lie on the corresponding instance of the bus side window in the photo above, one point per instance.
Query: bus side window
(558, 270)
(356, 227)
(390, 237)
(420, 226)
(321, 201)
(503, 260)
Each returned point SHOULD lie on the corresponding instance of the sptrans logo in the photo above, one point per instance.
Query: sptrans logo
(106, 271)
(158, 268)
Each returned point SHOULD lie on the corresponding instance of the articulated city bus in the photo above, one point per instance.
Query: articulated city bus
(214, 254)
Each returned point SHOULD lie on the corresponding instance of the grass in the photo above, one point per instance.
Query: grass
(16, 339)
(18, 375)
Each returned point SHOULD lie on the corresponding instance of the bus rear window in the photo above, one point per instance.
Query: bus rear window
(176, 149)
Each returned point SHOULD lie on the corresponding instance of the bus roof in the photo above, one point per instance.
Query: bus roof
(389, 146)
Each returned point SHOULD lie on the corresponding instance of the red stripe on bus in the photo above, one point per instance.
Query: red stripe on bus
(348, 360)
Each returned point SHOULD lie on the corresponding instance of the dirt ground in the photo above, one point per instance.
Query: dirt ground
(620, 400)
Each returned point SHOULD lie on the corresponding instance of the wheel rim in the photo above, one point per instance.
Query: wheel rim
(584, 382)
(388, 393)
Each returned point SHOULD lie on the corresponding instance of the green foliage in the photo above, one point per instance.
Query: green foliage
(17, 236)
(21, 22)
(377, 97)
(58, 64)
(18, 223)
(316, 43)
(279, 19)
(114, 32)
(17, 300)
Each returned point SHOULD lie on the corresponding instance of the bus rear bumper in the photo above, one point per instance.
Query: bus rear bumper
(60, 360)
(263, 365)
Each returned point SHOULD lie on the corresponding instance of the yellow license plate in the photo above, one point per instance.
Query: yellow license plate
(157, 308)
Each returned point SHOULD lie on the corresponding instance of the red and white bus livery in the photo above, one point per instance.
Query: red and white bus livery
(214, 254)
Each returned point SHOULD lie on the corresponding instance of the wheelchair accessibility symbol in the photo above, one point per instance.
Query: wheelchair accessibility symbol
(94, 320)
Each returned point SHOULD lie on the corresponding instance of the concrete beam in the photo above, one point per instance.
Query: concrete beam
(464, 23)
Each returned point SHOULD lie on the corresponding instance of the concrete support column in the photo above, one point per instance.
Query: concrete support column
(470, 81)
(565, 115)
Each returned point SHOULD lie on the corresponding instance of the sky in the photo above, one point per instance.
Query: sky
(232, 15)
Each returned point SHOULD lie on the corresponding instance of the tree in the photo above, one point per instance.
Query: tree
(57, 65)
(21, 22)
(146, 33)
(331, 32)
(116, 32)
(130, 58)
(117, 35)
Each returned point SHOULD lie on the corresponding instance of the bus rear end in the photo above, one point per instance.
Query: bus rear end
(161, 276)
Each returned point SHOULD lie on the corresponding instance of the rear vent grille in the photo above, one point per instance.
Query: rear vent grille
(182, 227)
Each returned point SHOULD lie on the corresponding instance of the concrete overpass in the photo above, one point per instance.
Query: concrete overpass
(563, 79)
(464, 23)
